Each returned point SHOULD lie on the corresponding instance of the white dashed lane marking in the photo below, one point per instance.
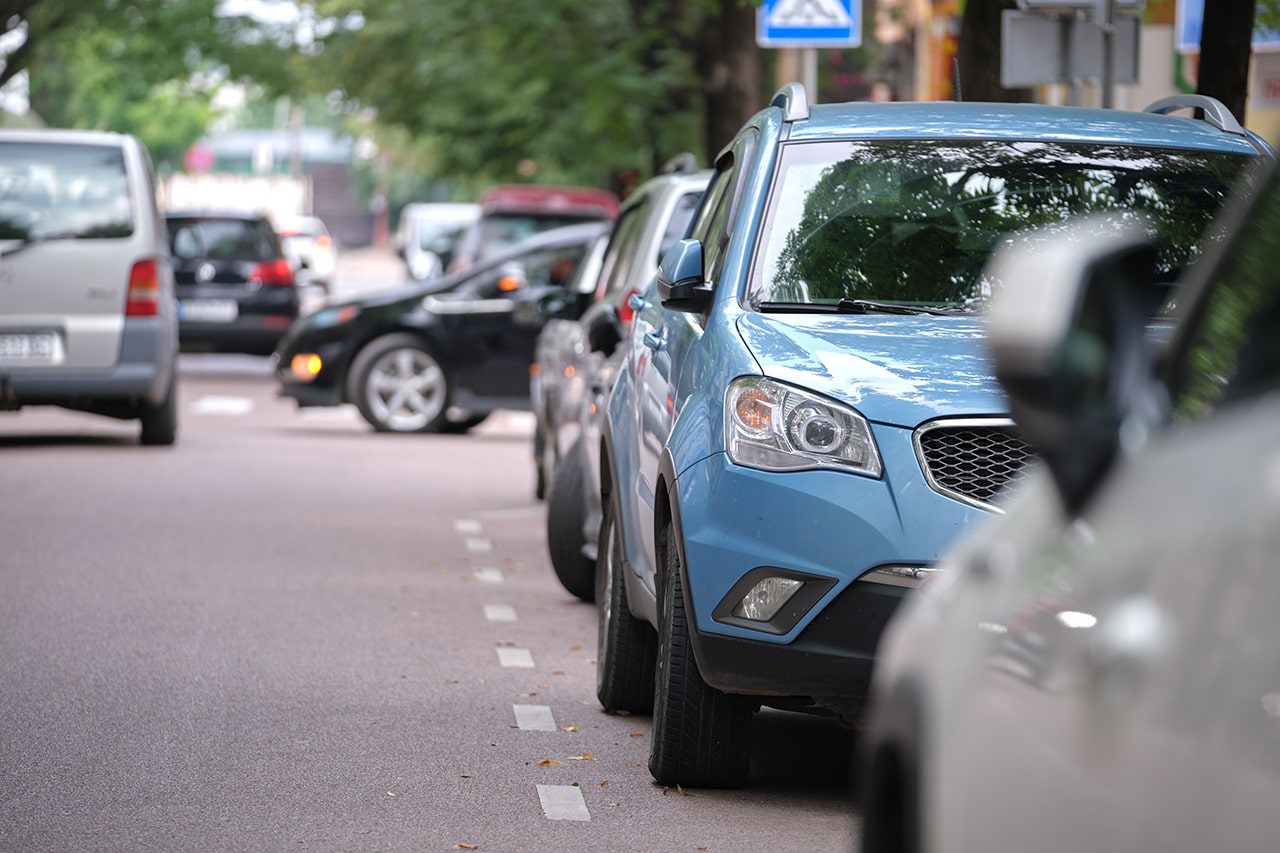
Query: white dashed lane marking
(499, 613)
(563, 802)
(489, 575)
(534, 718)
(212, 404)
(467, 526)
(479, 546)
(518, 658)
(330, 413)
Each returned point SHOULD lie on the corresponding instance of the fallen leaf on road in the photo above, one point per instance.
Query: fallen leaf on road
(462, 845)
(604, 784)
(683, 792)
(637, 734)
(576, 647)
(556, 672)
(548, 762)
(619, 712)
(665, 789)
(389, 794)
(452, 681)
(571, 728)
(613, 805)
(526, 695)
(586, 756)
(464, 775)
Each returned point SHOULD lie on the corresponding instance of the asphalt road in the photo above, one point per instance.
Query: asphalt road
(287, 632)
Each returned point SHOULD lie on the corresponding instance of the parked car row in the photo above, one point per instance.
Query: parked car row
(803, 409)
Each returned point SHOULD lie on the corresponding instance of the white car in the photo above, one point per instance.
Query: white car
(428, 234)
(1099, 669)
(88, 316)
(310, 250)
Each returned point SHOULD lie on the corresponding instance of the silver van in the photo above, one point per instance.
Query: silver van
(88, 316)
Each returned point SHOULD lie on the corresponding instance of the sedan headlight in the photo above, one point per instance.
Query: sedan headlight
(781, 428)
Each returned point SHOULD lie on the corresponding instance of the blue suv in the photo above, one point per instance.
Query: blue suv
(804, 420)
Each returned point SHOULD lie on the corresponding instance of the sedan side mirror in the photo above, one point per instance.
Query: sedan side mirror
(1066, 329)
(682, 282)
(560, 304)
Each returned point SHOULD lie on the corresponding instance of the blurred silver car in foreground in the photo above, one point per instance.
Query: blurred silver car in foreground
(88, 317)
(1099, 669)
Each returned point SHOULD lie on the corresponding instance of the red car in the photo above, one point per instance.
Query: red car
(511, 213)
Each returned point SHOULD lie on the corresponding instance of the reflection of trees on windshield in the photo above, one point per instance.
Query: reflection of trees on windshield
(1235, 351)
(916, 221)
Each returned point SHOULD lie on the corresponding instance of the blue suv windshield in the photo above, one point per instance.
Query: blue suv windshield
(913, 222)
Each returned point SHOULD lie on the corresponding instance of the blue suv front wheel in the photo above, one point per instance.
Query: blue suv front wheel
(701, 736)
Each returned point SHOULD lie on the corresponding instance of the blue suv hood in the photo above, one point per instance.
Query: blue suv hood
(895, 370)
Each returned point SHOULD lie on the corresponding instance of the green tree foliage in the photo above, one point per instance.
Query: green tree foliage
(147, 68)
(583, 91)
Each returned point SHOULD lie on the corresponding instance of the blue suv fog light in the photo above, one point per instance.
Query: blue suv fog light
(770, 599)
(766, 598)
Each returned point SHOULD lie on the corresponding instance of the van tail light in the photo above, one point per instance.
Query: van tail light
(324, 241)
(625, 312)
(275, 273)
(144, 290)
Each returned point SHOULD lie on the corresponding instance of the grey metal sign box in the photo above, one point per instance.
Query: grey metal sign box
(1036, 50)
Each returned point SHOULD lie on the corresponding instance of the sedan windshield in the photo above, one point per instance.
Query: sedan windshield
(913, 222)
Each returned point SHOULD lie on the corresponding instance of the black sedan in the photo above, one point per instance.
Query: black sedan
(438, 356)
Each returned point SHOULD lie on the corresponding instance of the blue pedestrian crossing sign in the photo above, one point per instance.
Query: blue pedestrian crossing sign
(809, 23)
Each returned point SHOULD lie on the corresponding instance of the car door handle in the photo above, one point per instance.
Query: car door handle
(655, 340)
(637, 302)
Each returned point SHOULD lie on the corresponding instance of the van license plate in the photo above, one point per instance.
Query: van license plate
(209, 310)
(38, 348)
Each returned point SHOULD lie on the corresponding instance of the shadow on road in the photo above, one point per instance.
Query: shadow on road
(21, 442)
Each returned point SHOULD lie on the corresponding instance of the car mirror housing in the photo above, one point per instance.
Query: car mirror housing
(560, 305)
(681, 279)
(1066, 328)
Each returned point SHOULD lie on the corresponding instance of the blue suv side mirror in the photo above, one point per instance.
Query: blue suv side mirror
(681, 279)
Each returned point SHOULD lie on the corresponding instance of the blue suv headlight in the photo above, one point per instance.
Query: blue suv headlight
(779, 427)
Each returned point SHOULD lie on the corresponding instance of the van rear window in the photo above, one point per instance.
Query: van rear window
(63, 192)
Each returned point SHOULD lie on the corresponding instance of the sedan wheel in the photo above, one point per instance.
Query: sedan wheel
(400, 386)
(626, 646)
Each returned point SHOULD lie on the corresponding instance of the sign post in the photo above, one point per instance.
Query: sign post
(809, 24)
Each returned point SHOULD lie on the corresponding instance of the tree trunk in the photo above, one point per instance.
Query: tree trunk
(979, 53)
(731, 69)
(1224, 52)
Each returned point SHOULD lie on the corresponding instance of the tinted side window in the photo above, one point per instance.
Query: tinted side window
(618, 256)
(1232, 351)
(678, 224)
(542, 268)
(716, 215)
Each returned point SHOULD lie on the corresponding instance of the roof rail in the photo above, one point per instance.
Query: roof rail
(1215, 112)
(679, 164)
(794, 102)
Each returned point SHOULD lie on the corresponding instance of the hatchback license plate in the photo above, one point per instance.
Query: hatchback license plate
(209, 310)
(38, 348)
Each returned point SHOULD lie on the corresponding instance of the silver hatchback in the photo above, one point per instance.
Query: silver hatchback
(87, 308)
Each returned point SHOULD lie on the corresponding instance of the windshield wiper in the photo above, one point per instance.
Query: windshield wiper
(855, 306)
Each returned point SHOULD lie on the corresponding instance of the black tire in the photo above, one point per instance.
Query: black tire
(462, 425)
(373, 358)
(160, 423)
(626, 647)
(539, 462)
(701, 736)
(566, 513)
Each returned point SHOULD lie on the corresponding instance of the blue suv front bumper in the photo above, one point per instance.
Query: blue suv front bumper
(834, 527)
